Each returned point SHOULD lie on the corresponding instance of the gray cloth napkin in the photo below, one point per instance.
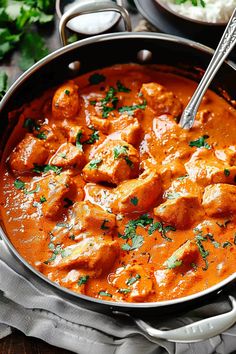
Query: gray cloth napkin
(30, 305)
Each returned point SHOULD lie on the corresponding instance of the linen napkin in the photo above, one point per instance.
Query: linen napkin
(30, 305)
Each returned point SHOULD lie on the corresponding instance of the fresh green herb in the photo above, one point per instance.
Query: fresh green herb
(173, 262)
(204, 253)
(226, 244)
(103, 226)
(83, 280)
(213, 241)
(73, 38)
(194, 2)
(120, 151)
(104, 293)
(93, 165)
(93, 102)
(134, 201)
(93, 137)
(51, 246)
(64, 224)
(30, 125)
(68, 202)
(110, 100)
(133, 280)
(130, 109)
(66, 252)
(41, 136)
(137, 242)
(46, 168)
(96, 79)
(121, 87)
(226, 172)
(173, 195)
(78, 140)
(37, 189)
(51, 259)
(124, 291)
(72, 237)
(162, 229)
(18, 184)
(42, 199)
(3, 84)
(67, 92)
(201, 142)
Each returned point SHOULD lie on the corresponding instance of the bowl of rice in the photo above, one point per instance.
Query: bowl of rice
(202, 12)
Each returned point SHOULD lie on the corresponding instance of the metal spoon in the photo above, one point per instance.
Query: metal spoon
(223, 49)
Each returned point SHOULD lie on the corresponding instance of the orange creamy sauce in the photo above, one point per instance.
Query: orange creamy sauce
(134, 208)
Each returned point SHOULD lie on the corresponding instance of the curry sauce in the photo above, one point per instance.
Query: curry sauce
(106, 195)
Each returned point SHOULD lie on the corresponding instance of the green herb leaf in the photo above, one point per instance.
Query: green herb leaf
(47, 168)
(130, 109)
(78, 140)
(18, 184)
(104, 293)
(67, 92)
(173, 262)
(103, 226)
(41, 136)
(120, 151)
(162, 229)
(226, 244)
(134, 201)
(93, 165)
(42, 199)
(32, 49)
(31, 125)
(173, 195)
(3, 84)
(124, 291)
(96, 79)
(93, 137)
(37, 189)
(226, 172)
(121, 87)
(201, 142)
(83, 280)
(133, 280)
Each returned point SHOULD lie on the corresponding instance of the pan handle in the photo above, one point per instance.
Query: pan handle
(194, 332)
(88, 7)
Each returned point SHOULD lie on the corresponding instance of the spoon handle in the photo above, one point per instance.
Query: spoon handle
(223, 49)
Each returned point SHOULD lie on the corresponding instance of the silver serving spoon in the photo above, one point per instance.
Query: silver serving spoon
(227, 42)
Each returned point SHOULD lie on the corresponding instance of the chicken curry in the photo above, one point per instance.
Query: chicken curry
(106, 195)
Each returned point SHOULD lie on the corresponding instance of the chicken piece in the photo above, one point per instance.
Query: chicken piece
(178, 264)
(91, 219)
(185, 255)
(129, 127)
(54, 189)
(180, 211)
(113, 161)
(68, 155)
(205, 168)
(66, 101)
(29, 152)
(227, 155)
(100, 124)
(91, 254)
(161, 100)
(137, 195)
(134, 282)
(219, 199)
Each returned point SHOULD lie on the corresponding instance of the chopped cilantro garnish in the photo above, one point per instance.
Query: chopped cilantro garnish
(120, 151)
(137, 242)
(104, 293)
(93, 137)
(121, 87)
(30, 125)
(124, 291)
(78, 140)
(41, 136)
(194, 2)
(42, 199)
(67, 92)
(162, 229)
(201, 142)
(33, 190)
(133, 280)
(96, 79)
(93, 165)
(68, 202)
(173, 262)
(18, 184)
(226, 244)
(226, 172)
(173, 195)
(103, 226)
(46, 168)
(134, 201)
(130, 109)
(83, 280)
(204, 253)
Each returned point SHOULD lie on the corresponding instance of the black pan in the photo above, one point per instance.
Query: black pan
(102, 51)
